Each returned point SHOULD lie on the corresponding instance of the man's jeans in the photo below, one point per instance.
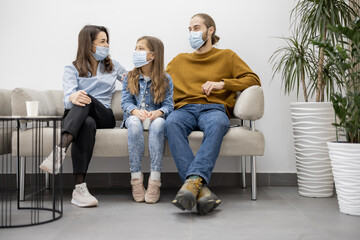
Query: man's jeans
(136, 142)
(212, 120)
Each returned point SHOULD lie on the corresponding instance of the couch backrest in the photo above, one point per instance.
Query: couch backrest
(51, 102)
(5, 102)
(57, 98)
(249, 104)
(47, 105)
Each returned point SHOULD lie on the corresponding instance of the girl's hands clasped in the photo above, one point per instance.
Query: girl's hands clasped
(155, 114)
(143, 114)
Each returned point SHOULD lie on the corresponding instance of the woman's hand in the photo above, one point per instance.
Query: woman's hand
(142, 114)
(155, 114)
(80, 98)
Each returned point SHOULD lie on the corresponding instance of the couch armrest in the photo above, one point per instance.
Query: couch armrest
(5, 102)
(19, 96)
(250, 104)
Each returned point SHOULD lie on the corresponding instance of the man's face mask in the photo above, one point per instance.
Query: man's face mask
(196, 40)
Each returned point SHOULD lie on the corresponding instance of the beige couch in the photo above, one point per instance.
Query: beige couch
(239, 141)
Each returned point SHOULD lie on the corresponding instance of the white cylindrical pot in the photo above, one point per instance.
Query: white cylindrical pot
(312, 129)
(345, 162)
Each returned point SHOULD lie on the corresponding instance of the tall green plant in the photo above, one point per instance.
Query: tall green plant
(313, 17)
(302, 63)
(345, 58)
(295, 63)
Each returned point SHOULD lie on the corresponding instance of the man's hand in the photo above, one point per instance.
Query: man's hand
(142, 114)
(155, 114)
(80, 98)
(209, 86)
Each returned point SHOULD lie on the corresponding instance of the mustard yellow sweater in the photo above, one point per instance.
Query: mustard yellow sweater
(189, 71)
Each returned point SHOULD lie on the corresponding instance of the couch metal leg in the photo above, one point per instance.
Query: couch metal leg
(253, 178)
(243, 171)
(22, 179)
(17, 176)
(47, 180)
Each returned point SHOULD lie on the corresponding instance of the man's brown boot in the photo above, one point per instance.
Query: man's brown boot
(206, 201)
(188, 193)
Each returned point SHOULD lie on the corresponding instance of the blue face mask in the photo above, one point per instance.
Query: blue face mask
(101, 53)
(139, 58)
(196, 40)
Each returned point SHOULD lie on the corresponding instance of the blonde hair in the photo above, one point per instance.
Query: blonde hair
(159, 81)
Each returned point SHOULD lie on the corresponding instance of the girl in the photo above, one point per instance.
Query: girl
(146, 96)
(89, 83)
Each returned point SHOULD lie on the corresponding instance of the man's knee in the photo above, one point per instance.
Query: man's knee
(224, 123)
(218, 124)
(170, 121)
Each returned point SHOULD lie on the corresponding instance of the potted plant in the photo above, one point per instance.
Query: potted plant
(345, 155)
(302, 63)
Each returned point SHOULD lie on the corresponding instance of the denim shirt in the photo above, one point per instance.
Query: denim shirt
(101, 86)
(130, 102)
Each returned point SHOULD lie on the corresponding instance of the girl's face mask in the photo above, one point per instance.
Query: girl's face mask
(139, 58)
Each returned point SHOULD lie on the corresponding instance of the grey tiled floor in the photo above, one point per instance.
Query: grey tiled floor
(279, 213)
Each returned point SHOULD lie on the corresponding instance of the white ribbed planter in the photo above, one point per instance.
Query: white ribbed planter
(345, 162)
(312, 129)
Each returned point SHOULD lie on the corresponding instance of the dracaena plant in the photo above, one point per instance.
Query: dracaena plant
(295, 62)
(301, 63)
(345, 58)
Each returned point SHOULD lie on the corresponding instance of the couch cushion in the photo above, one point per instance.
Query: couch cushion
(239, 141)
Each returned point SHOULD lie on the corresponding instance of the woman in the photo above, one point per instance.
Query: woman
(146, 96)
(89, 84)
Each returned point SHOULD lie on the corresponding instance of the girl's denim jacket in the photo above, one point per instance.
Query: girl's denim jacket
(130, 102)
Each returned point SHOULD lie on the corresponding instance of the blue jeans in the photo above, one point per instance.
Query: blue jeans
(212, 120)
(136, 143)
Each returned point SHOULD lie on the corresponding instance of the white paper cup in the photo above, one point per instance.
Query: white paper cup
(32, 108)
(146, 124)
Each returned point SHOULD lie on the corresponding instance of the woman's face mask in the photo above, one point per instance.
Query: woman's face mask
(196, 40)
(101, 53)
(139, 58)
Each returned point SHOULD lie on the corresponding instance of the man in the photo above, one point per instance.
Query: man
(205, 86)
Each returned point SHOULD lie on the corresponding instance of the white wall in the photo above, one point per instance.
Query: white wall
(39, 37)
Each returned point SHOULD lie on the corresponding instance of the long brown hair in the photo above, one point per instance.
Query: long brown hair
(86, 37)
(159, 81)
(209, 22)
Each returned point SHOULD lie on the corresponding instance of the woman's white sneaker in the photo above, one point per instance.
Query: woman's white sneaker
(47, 164)
(82, 198)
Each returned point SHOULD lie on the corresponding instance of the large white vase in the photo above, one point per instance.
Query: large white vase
(312, 129)
(345, 162)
